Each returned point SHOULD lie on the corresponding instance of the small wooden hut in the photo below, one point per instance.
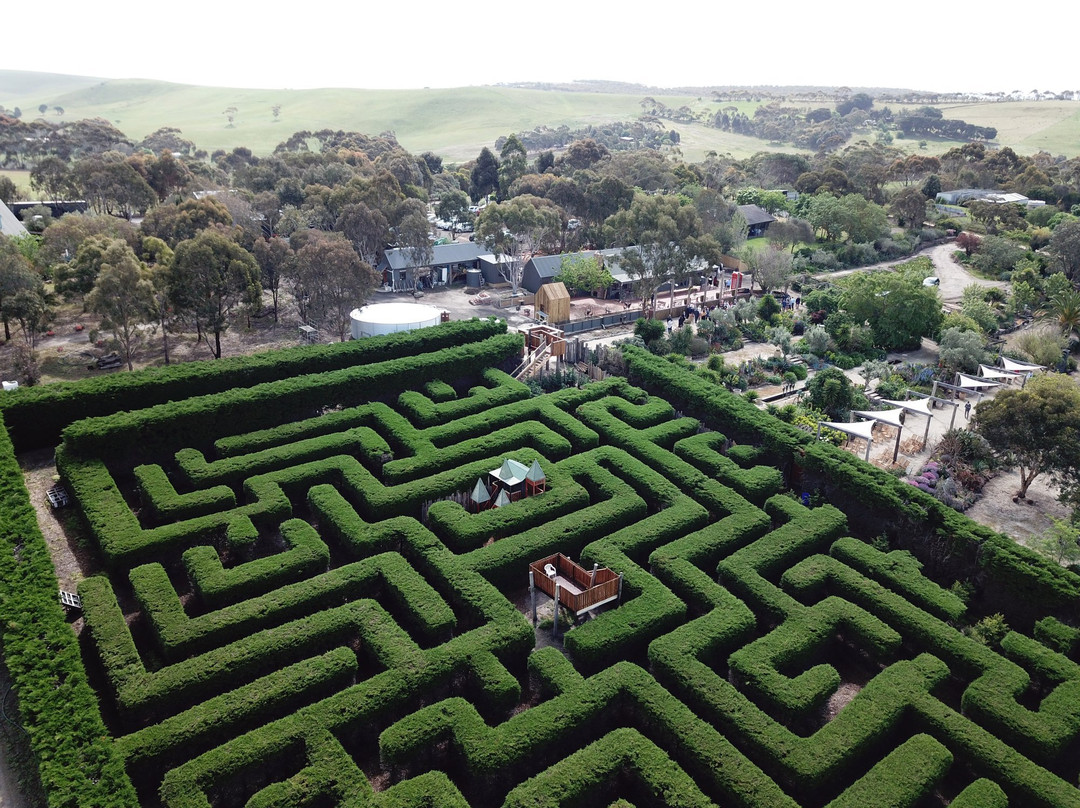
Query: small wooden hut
(571, 585)
(553, 300)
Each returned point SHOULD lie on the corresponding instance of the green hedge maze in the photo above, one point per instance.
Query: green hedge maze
(298, 609)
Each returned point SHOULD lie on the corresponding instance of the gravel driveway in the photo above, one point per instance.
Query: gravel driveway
(954, 278)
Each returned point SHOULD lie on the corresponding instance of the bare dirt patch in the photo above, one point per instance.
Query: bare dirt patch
(840, 699)
(1023, 521)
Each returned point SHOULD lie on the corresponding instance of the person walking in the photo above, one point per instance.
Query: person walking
(967, 410)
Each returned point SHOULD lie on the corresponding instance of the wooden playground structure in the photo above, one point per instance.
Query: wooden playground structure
(572, 586)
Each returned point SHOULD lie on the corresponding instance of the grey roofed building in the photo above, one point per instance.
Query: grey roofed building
(448, 263)
(9, 223)
(757, 219)
(541, 269)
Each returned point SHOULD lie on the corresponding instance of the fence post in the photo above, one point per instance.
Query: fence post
(532, 597)
(555, 622)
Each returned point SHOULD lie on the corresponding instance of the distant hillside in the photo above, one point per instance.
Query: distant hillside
(17, 86)
(456, 123)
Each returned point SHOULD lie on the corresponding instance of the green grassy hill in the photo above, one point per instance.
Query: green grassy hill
(454, 123)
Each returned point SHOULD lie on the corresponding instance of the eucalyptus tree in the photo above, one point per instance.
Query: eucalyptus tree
(209, 277)
(123, 295)
(515, 230)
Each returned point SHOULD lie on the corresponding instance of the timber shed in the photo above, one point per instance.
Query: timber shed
(553, 300)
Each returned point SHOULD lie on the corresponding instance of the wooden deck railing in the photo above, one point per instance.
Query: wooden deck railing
(593, 589)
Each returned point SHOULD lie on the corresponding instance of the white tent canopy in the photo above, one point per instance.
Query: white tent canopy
(974, 382)
(988, 372)
(859, 429)
(919, 406)
(890, 417)
(1019, 367)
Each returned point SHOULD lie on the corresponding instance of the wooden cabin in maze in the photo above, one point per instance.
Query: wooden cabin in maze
(509, 478)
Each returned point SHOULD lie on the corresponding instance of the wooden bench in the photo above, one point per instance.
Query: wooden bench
(70, 600)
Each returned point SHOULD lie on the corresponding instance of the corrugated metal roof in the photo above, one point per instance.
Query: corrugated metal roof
(457, 253)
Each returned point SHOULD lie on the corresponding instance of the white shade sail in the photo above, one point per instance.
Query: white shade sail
(859, 429)
(974, 382)
(1019, 367)
(890, 417)
(919, 406)
(988, 372)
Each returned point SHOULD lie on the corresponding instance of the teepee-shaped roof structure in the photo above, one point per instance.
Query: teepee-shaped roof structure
(535, 474)
(480, 493)
(511, 472)
(502, 499)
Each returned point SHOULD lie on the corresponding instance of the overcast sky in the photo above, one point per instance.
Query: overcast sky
(419, 43)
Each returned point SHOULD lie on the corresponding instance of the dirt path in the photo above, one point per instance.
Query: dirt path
(72, 563)
(954, 278)
(10, 793)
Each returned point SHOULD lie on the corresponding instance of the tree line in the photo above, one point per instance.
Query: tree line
(314, 217)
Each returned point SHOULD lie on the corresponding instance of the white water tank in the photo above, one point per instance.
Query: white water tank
(389, 318)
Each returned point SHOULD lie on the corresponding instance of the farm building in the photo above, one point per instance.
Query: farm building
(962, 196)
(757, 219)
(402, 271)
(541, 269)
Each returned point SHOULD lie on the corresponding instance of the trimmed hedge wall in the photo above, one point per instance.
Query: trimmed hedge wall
(37, 415)
(197, 421)
(1027, 584)
(77, 764)
(379, 614)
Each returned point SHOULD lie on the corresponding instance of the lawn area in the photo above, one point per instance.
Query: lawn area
(20, 178)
